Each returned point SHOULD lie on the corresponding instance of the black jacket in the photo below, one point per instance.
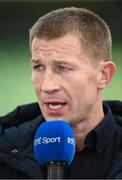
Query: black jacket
(17, 130)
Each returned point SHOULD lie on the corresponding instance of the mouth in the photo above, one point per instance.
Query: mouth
(55, 106)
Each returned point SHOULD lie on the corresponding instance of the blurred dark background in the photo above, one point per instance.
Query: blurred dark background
(16, 18)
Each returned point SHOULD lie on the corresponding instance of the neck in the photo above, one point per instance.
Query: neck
(83, 127)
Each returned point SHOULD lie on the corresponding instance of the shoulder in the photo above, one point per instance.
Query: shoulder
(19, 136)
(116, 109)
(17, 127)
(115, 106)
(16, 149)
(21, 114)
(116, 170)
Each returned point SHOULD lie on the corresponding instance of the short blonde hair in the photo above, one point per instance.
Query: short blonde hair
(94, 33)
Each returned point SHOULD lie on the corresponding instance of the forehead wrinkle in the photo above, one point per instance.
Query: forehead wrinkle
(43, 45)
(55, 48)
(57, 54)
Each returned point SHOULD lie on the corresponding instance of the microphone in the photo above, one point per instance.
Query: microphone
(54, 147)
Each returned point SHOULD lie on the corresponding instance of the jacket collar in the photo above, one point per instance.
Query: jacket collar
(100, 136)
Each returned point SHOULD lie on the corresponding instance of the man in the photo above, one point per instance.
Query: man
(71, 66)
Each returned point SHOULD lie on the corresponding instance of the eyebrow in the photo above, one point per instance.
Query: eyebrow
(55, 61)
(60, 62)
(35, 61)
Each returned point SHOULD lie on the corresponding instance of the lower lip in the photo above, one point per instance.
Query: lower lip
(59, 111)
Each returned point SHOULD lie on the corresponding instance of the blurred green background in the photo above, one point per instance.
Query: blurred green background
(16, 17)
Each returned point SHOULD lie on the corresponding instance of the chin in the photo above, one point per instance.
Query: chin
(48, 118)
(54, 119)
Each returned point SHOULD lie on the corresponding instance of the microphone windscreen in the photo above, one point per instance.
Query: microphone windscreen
(54, 142)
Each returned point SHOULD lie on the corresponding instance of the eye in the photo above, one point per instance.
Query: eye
(39, 67)
(63, 68)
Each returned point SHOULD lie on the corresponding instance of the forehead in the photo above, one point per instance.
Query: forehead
(69, 43)
(66, 48)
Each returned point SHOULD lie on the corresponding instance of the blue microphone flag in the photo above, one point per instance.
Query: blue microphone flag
(54, 142)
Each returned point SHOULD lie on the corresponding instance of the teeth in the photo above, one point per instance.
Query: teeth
(55, 107)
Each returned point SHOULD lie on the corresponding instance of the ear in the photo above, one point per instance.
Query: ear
(106, 71)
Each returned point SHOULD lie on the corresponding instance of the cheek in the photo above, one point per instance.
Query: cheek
(35, 81)
(84, 88)
(93, 83)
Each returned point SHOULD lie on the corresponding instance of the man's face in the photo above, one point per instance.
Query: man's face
(64, 80)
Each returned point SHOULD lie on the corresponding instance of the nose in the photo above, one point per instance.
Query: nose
(50, 83)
